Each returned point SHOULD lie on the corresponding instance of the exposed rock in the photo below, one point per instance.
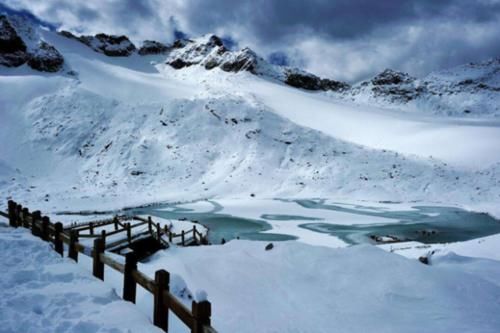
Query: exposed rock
(211, 63)
(303, 80)
(110, 45)
(113, 46)
(12, 48)
(153, 47)
(333, 85)
(390, 76)
(424, 260)
(269, 246)
(179, 63)
(215, 41)
(68, 34)
(209, 51)
(245, 60)
(180, 43)
(46, 58)
(312, 82)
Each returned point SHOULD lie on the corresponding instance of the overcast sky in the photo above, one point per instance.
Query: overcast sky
(342, 39)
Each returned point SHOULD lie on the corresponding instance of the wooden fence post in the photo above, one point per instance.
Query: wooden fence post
(45, 228)
(160, 313)
(58, 243)
(194, 234)
(36, 217)
(91, 228)
(170, 235)
(129, 284)
(129, 232)
(182, 237)
(115, 221)
(25, 213)
(98, 265)
(19, 220)
(201, 315)
(73, 240)
(12, 213)
(158, 231)
(150, 225)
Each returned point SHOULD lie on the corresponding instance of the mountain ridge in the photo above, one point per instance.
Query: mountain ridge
(106, 130)
(447, 92)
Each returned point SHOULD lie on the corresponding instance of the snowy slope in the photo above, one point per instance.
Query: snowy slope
(41, 292)
(114, 131)
(471, 90)
(301, 288)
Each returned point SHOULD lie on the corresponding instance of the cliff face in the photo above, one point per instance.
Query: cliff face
(16, 50)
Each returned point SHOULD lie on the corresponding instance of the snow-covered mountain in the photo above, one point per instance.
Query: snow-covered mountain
(469, 90)
(96, 123)
(117, 125)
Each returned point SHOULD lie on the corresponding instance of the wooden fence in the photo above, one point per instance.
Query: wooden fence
(186, 237)
(197, 318)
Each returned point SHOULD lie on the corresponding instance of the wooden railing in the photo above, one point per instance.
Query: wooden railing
(197, 318)
(193, 234)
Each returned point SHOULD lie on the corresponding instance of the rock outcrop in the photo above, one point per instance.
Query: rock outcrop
(46, 58)
(153, 47)
(309, 81)
(210, 52)
(12, 47)
(14, 51)
(110, 45)
(391, 77)
(466, 90)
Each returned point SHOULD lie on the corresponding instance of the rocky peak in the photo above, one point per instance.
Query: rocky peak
(9, 39)
(12, 47)
(244, 60)
(110, 45)
(153, 47)
(46, 58)
(308, 81)
(204, 50)
(215, 41)
(209, 51)
(14, 51)
(390, 76)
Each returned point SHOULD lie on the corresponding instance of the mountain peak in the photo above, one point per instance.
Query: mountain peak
(20, 44)
(390, 76)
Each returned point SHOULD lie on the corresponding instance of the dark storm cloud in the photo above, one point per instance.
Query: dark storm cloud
(345, 39)
(355, 39)
(278, 19)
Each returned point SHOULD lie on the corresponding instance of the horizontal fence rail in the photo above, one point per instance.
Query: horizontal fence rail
(197, 319)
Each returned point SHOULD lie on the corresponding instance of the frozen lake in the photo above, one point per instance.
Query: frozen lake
(323, 222)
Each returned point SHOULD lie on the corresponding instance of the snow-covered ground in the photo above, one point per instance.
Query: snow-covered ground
(302, 288)
(41, 292)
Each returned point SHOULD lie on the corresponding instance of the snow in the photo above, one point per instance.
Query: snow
(41, 292)
(80, 138)
(110, 133)
(468, 91)
(301, 288)
(484, 247)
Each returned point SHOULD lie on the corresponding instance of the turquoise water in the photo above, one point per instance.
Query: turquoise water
(221, 226)
(426, 224)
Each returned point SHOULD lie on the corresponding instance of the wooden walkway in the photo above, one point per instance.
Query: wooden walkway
(121, 231)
